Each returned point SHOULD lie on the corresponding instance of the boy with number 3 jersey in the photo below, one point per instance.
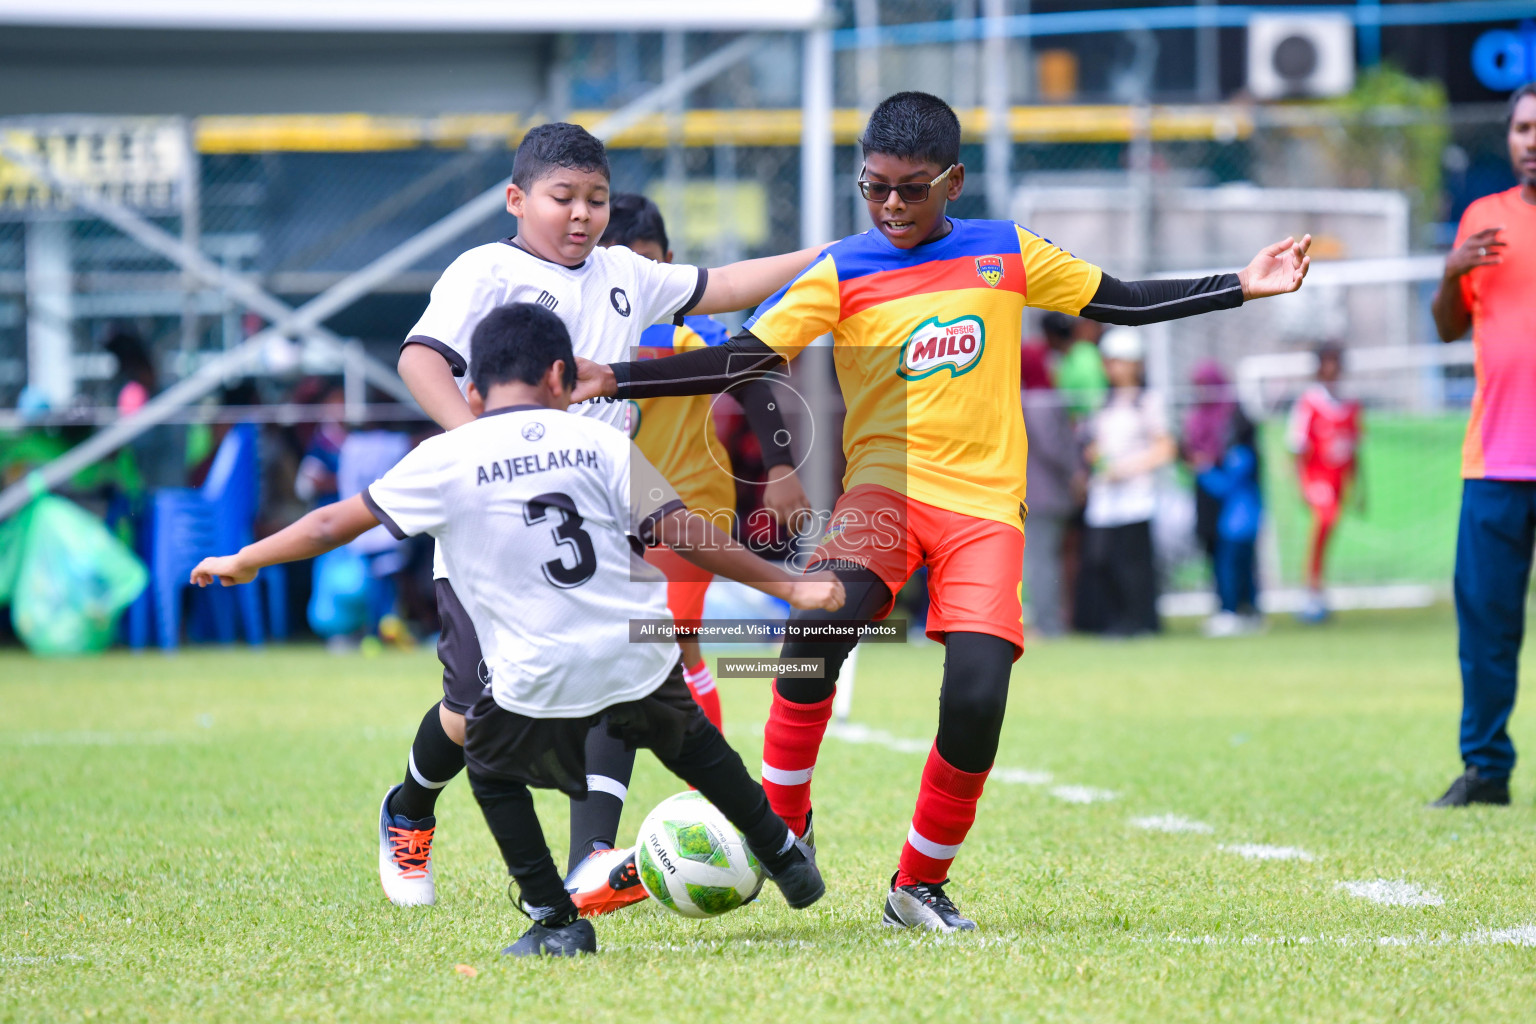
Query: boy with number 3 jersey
(606, 297)
(535, 512)
(925, 313)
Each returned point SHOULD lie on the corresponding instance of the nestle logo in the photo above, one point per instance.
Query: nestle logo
(936, 345)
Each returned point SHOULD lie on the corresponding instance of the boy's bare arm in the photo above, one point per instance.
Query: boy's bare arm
(322, 530)
(430, 379)
(700, 542)
(745, 284)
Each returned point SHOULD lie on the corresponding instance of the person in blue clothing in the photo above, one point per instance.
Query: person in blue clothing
(1233, 482)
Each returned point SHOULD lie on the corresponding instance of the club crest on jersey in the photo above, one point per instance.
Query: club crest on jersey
(953, 345)
(533, 431)
(837, 526)
(990, 269)
(632, 419)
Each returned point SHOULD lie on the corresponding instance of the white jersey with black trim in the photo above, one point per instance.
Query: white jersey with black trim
(533, 510)
(607, 301)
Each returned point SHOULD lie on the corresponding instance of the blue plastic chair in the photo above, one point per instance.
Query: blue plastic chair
(187, 525)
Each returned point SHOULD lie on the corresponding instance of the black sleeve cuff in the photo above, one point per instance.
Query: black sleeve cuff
(383, 517)
(455, 361)
(649, 523)
(693, 300)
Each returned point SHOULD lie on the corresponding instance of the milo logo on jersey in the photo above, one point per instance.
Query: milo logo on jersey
(953, 345)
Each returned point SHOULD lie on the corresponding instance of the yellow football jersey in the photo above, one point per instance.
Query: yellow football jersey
(678, 435)
(926, 345)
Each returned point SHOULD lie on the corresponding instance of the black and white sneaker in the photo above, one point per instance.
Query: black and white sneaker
(1472, 788)
(796, 874)
(572, 939)
(923, 906)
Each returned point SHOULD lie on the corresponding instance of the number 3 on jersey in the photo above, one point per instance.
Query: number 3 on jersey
(568, 535)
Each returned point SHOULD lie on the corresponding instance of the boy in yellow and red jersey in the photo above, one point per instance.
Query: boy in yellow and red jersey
(925, 314)
(678, 436)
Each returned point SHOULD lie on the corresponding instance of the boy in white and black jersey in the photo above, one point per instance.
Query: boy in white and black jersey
(534, 511)
(606, 298)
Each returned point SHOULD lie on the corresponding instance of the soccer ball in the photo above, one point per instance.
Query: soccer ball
(693, 861)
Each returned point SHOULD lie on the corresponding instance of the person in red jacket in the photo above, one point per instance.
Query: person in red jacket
(1324, 435)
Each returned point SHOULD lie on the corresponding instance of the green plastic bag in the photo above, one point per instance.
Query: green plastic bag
(13, 536)
(74, 581)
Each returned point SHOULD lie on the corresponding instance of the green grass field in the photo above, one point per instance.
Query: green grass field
(193, 839)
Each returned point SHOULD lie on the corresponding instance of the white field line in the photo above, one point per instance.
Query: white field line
(89, 738)
(1082, 794)
(1173, 823)
(32, 961)
(1259, 851)
(156, 737)
(852, 732)
(1021, 777)
(1520, 935)
(710, 945)
(1393, 894)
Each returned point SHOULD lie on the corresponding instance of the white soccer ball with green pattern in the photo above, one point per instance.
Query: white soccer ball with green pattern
(693, 861)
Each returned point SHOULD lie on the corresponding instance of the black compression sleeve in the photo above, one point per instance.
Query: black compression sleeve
(767, 422)
(1150, 302)
(704, 371)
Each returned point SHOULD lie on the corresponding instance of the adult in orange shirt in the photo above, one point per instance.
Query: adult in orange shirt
(1490, 286)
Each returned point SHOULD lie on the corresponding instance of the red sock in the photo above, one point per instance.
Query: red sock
(702, 685)
(946, 808)
(791, 741)
(1322, 527)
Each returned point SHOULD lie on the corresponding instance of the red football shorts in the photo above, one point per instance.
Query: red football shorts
(975, 565)
(1322, 487)
(686, 583)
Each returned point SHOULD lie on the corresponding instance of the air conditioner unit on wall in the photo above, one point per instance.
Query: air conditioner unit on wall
(1294, 55)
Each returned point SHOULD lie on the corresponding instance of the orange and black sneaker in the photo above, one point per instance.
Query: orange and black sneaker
(606, 881)
(405, 857)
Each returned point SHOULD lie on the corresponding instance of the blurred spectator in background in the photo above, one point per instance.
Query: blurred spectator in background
(1221, 451)
(1487, 287)
(315, 482)
(1207, 430)
(1079, 372)
(1128, 442)
(1054, 460)
(1231, 482)
(1324, 435)
(367, 454)
(160, 453)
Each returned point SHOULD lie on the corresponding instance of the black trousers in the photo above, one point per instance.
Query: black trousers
(1117, 587)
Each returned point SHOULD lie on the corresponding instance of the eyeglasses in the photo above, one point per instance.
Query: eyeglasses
(910, 191)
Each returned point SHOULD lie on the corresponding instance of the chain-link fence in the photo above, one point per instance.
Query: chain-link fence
(296, 205)
(263, 198)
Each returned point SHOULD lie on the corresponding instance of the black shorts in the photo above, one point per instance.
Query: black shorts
(464, 673)
(551, 753)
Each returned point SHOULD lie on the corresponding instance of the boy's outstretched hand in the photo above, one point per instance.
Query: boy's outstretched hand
(819, 591)
(1277, 269)
(227, 569)
(593, 380)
